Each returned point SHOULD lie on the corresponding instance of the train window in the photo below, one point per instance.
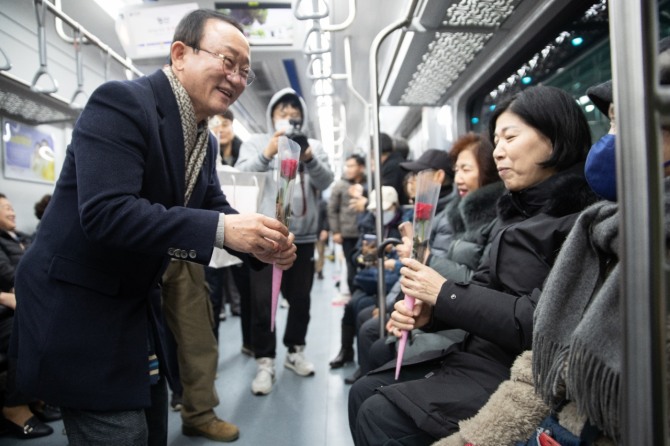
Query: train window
(575, 59)
(565, 60)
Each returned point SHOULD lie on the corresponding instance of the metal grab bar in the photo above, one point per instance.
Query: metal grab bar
(79, 93)
(342, 129)
(314, 16)
(108, 59)
(90, 37)
(374, 93)
(311, 74)
(316, 28)
(40, 13)
(347, 22)
(7, 65)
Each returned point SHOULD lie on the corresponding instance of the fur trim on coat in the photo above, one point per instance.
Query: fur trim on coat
(511, 414)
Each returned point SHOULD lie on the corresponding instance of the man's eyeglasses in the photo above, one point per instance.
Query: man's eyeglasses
(230, 67)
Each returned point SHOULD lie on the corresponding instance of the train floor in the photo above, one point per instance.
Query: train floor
(300, 411)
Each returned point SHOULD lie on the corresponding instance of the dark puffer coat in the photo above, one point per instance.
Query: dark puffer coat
(472, 219)
(495, 307)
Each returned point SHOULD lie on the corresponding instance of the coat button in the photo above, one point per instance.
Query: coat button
(452, 297)
(192, 254)
(183, 254)
(170, 251)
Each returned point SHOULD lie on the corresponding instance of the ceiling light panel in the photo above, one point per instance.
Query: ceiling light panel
(452, 50)
(479, 12)
(28, 110)
(447, 56)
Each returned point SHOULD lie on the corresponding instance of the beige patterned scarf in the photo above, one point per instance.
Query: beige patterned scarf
(195, 143)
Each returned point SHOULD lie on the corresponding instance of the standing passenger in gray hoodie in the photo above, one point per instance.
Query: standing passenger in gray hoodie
(258, 154)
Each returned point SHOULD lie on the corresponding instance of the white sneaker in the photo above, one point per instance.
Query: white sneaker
(297, 362)
(265, 376)
(341, 300)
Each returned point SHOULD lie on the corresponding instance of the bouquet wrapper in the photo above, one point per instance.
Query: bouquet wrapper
(427, 194)
(288, 155)
(409, 303)
(276, 287)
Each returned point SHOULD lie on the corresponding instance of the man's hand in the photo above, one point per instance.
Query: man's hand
(355, 191)
(273, 146)
(307, 155)
(256, 234)
(283, 259)
(8, 299)
(358, 204)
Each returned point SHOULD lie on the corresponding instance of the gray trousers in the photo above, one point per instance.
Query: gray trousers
(141, 427)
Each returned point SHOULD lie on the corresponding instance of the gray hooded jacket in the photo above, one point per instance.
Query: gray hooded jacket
(317, 176)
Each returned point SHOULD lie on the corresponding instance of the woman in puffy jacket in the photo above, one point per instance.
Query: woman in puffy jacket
(22, 416)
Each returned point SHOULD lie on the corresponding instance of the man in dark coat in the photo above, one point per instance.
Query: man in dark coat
(138, 188)
(391, 173)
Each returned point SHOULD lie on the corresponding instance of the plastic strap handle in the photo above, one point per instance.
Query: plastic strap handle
(316, 15)
(40, 13)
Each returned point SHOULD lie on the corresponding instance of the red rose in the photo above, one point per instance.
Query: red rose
(422, 211)
(289, 168)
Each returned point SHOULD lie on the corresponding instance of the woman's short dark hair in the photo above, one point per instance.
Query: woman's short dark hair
(190, 29)
(483, 151)
(555, 114)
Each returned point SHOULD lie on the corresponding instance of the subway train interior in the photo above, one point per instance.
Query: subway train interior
(424, 72)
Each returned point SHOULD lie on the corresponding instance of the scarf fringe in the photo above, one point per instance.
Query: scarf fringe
(598, 388)
(549, 359)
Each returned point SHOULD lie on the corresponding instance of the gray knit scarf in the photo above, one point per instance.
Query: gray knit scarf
(195, 144)
(576, 325)
(577, 343)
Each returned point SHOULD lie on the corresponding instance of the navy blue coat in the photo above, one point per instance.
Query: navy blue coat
(115, 219)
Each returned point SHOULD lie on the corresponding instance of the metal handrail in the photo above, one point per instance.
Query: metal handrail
(633, 34)
(347, 22)
(79, 97)
(8, 64)
(374, 94)
(315, 16)
(42, 72)
(316, 28)
(125, 62)
(310, 69)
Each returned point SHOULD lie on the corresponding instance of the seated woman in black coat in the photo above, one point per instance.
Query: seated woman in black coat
(22, 416)
(541, 138)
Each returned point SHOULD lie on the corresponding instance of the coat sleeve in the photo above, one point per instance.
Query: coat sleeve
(6, 272)
(128, 179)
(251, 157)
(498, 317)
(334, 206)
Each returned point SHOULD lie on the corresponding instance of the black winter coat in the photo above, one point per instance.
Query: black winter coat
(472, 219)
(11, 252)
(496, 307)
